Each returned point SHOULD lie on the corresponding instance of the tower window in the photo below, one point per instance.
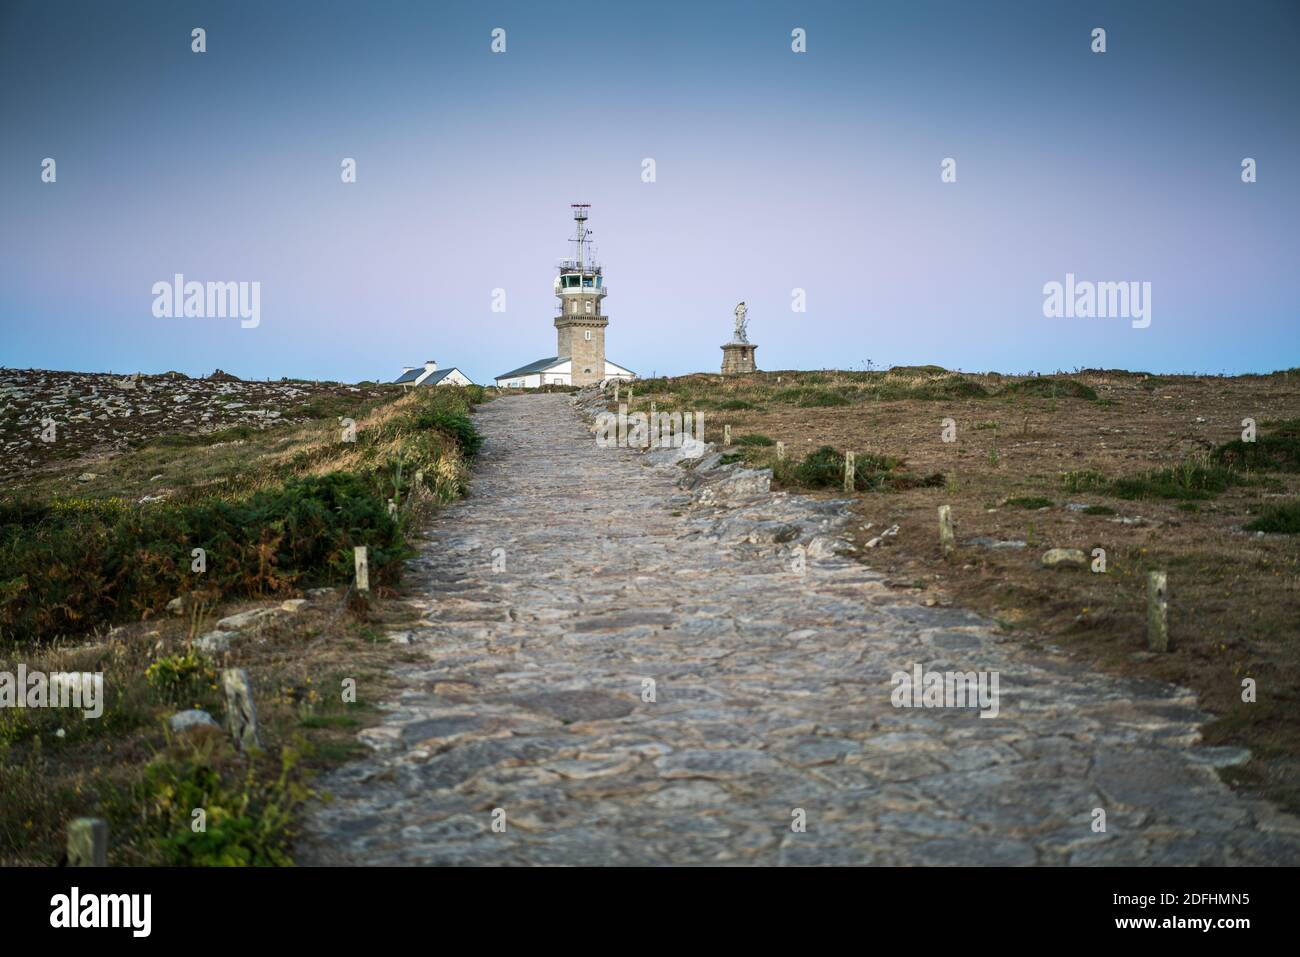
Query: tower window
(587, 335)
(588, 307)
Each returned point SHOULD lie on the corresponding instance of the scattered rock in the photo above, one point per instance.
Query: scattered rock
(292, 604)
(183, 721)
(1064, 558)
(214, 642)
(986, 542)
(245, 618)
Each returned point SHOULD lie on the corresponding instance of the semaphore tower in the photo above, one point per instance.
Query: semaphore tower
(580, 323)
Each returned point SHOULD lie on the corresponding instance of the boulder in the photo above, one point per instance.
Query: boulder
(183, 721)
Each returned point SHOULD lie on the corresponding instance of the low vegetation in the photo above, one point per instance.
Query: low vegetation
(90, 582)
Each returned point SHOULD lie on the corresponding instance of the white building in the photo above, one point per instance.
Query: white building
(557, 370)
(430, 374)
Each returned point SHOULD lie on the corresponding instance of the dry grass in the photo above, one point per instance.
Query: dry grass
(1234, 595)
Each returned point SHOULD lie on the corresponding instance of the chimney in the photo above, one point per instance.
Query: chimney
(430, 365)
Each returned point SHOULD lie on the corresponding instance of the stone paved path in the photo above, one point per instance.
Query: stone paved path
(772, 693)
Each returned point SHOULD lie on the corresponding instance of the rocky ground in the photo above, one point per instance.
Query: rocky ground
(48, 417)
(626, 662)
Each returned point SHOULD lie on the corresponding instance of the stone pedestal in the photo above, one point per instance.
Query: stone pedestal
(738, 358)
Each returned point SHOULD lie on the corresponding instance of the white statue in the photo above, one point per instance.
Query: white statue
(740, 323)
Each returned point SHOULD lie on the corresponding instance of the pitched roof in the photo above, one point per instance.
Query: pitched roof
(436, 377)
(541, 365)
(409, 376)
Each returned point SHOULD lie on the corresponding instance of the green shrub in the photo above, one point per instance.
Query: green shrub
(246, 825)
(931, 370)
(824, 468)
(1030, 501)
(1048, 387)
(733, 405)
(1283, 519)
(71, 571)
(1188, 481)
(180, 678)
(1278, 451)
(455, 424)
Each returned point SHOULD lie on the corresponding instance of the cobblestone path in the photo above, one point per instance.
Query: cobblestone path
(772, 694)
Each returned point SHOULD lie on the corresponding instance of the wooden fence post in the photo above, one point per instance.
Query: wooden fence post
(363, 568)
(88, 842)
(726, 435)
(1157, 611)
(780, 451)
(850, 471)
(946, 537)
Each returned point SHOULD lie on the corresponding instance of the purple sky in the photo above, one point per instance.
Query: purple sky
(775, 170)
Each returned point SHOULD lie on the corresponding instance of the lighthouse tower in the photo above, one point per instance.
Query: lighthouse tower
(579, 322)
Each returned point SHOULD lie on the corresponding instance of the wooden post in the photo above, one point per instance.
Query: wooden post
(726, 435)
(1157, 611)
(629, 394)
(780, 450)
(241, 714)
(653, 408)
(88, 842)
(363, 568)
(615, 390)
(850, 471)
(946, 538)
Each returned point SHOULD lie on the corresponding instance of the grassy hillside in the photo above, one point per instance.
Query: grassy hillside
(99, 576)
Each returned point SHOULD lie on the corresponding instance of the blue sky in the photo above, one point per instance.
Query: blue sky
(774, 171)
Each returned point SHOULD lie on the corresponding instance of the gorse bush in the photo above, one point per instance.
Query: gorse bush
(455, 423)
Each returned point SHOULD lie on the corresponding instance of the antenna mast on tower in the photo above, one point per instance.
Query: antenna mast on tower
(580, 218)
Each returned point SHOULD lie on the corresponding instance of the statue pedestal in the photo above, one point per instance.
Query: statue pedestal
(738, 358)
